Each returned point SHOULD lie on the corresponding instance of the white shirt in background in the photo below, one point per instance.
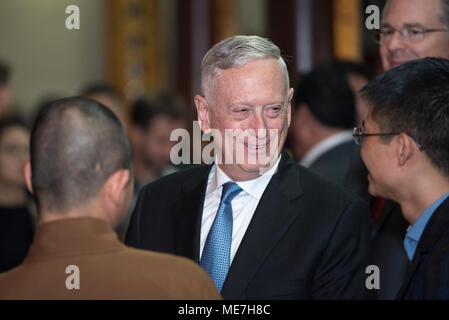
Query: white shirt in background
(326, 145)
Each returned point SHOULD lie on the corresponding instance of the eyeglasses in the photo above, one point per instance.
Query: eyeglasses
(359, 136)
(409, 34)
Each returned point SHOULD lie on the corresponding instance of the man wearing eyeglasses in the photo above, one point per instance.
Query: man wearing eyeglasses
(405, 146)
(413, 29)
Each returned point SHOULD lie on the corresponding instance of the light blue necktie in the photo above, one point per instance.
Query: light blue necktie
(217, 250)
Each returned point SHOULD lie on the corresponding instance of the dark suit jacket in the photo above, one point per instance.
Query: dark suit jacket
(107, 268)
(308, 238)
(334, 163)
(16, 235)
(428, 274)
(388, 234)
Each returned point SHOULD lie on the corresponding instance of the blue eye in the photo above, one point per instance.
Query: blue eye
(275, 109)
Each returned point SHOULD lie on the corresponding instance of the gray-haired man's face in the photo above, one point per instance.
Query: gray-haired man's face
(249, 101)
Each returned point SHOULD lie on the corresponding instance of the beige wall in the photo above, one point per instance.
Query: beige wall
(252, 16)
(46, 58)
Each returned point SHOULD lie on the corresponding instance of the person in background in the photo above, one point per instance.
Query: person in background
(322, 121)
(80, 172)
(5, 90)
(405, 146)
(16, 212)
(357, 76)
(152, 122)
(410, 30)
(413, 29)
(153, 119)
(108, 96)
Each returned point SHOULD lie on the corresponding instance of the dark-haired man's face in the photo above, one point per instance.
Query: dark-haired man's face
(379, 158)
(415, 13)
(14, 153)
(156, 145)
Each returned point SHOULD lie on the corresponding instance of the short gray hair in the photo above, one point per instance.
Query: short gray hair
(444, 15)
(235, 52)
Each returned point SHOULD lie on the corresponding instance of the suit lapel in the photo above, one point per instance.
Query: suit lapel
(273, 216)
(409, 276)
(436, 227)
(188, 216)
(388, 208)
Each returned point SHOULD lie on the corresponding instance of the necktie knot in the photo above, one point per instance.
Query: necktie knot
(230, 191)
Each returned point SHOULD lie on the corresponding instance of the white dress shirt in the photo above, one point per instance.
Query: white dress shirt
(325, 145)
(243, 205)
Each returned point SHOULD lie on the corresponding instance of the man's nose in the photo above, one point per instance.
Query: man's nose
(259, 125)
(395, 42)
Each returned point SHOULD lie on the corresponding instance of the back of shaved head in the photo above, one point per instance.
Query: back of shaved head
(76, 145)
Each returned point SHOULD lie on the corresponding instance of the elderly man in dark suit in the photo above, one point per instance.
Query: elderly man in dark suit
(267, 228)
(406, 150)
(80, 173)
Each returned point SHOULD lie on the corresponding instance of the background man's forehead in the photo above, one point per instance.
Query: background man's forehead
(411, 12)
(404, 25)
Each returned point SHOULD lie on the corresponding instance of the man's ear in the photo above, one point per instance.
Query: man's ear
(289, 105)
(28, 176)
(115, 185)
(405, 150)
(116, 196)
(203, 111)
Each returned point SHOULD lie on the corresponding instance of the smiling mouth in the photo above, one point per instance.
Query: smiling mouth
(397, 63)
(256, 146)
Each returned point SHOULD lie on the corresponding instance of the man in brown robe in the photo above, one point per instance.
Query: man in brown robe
(80, 174)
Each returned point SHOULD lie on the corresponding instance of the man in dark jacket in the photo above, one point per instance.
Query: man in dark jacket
(405, 146)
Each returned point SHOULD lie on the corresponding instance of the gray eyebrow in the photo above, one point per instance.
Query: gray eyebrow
(414, 25)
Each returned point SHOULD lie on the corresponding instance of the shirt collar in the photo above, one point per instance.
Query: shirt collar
(255, 187)
(325, 145)
(415, 231)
